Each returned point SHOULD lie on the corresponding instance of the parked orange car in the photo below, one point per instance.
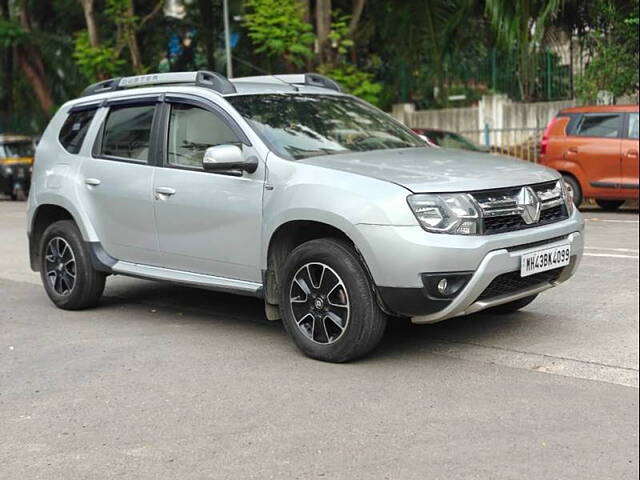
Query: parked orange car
(596, 150)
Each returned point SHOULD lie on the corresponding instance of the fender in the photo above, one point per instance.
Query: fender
(79, 216)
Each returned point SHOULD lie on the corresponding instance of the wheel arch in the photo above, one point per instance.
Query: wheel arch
(43, 216)
(289, 235)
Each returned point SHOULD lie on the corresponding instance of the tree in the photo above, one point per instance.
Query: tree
(613, 47)
(277, 28)
(30, 60)
(323, 29)
(7, 33)
(521, 24)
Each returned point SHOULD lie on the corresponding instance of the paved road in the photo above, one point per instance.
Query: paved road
(170, 382)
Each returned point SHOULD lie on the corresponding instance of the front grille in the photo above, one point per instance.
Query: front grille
(510, 223)
(512, 282)
(502, 212)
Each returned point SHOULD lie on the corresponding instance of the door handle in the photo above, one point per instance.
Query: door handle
(572, 150)
(92, 182)
(167, 191)
(632, 153)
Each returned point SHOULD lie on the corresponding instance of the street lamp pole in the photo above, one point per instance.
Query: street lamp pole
(227, 39)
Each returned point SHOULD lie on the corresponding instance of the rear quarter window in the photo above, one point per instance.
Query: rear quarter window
(75, 129)
(633, 131)
(602, 125)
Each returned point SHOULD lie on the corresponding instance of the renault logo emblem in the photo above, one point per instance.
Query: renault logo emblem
(530, 204)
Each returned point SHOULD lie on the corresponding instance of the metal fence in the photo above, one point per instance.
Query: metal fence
(523, 143)
(549, 79)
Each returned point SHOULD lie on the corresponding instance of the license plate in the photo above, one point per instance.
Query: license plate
(546, 259)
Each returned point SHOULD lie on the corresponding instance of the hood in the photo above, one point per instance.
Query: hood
(437, 170)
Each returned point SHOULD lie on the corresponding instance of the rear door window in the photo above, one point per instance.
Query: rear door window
(75, 129)
(127, 133)
(600, 125)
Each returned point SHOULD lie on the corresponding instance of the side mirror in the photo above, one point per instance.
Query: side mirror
(228, 159)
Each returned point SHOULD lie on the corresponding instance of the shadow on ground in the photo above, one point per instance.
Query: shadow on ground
(208, 308)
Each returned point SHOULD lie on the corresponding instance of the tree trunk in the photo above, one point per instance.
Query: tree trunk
(90, 20)
(356, 14)
(92, 29)
(132, 41)
(323, 27)
(37, 81)
(30, 60)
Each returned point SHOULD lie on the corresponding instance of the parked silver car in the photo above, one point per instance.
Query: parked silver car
(286, 189)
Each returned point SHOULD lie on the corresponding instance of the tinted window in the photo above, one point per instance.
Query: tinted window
(633, 126)
(75, 129)
(299, 126)
(16, 149)
(450, 140)
(600, 126)
(191, 131)
(127, 132)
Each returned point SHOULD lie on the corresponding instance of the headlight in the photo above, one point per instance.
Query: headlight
(567, 196)
(8, 171)
(454, 213)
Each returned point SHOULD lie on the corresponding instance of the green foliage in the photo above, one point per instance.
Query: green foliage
(339, 33)
(609, 70)
(117, 11)
(522, 23)
(10, 34)
(354, 81)
(95, 61)
(277, 28)
(614, 50)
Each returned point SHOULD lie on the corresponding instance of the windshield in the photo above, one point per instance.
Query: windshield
(300, 126)
(16, 149)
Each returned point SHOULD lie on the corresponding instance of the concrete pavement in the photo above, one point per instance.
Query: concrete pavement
(163, 381)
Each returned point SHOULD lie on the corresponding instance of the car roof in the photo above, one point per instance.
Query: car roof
(308, 83)
(242, 88)
(12, 138)
(601, 109)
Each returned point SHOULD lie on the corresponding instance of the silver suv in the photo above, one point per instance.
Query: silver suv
(286, 189)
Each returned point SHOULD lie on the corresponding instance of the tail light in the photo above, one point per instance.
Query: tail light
(545, 136)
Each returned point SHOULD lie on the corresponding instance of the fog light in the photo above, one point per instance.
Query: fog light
(445, 285)
(442, 287)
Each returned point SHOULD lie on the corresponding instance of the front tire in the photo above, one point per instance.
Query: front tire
(327, 303)
(66, 270)
(610, 205)
(574, 189)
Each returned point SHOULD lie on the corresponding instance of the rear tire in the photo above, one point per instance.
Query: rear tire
(512, 307)
(610, 205)
(327, 303)
(574, 189)
(66, 270)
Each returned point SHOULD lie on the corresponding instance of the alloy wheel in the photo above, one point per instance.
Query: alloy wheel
(60, 265)
(319, 303)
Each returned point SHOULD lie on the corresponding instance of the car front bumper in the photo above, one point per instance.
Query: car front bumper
(399, 257)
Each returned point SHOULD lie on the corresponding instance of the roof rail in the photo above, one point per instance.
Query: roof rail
(211, 80)
(309, 79)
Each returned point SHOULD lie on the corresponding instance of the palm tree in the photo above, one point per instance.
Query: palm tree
(521, 24)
